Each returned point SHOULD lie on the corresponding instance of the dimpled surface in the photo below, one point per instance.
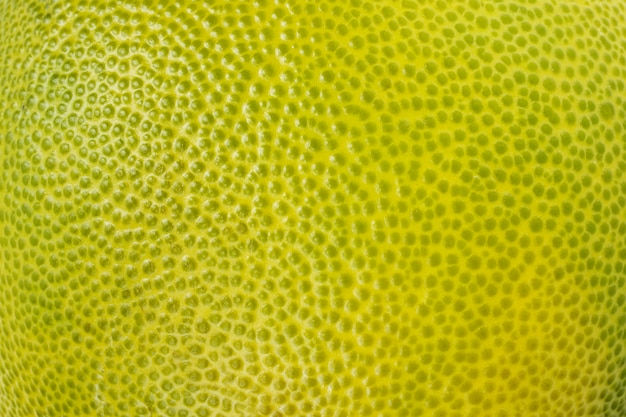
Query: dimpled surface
(326, 208)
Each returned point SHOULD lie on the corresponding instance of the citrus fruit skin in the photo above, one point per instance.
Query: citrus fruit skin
(325, 208)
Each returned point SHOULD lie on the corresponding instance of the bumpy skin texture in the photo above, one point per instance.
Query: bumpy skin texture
(325, 208)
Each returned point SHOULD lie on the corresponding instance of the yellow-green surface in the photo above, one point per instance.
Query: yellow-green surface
(325, 208)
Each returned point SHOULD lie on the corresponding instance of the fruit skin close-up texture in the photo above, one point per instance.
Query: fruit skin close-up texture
(312, 208)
